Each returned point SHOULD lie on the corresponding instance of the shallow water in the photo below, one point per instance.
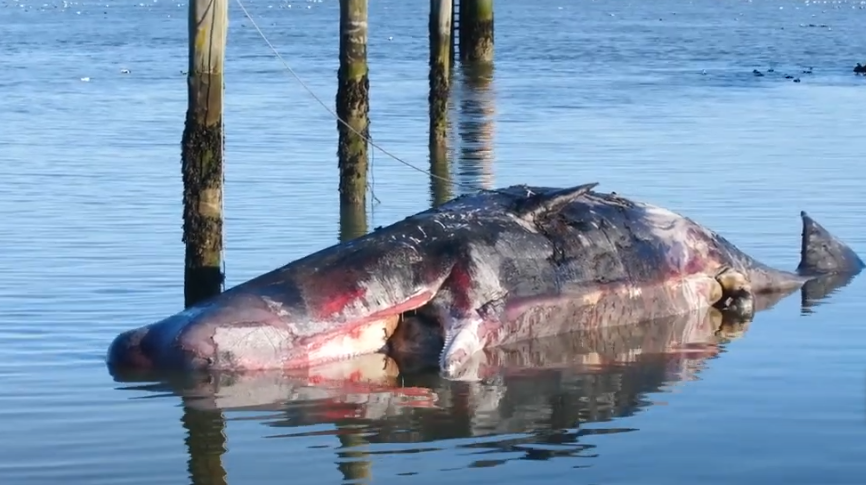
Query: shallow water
(612, 91)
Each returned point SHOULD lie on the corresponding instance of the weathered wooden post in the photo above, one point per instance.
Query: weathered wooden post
(476, 30)
(202, 155)
(353, 102)
(440, 68)
(441, 48)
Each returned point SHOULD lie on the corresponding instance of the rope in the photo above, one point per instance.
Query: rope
(333, 113)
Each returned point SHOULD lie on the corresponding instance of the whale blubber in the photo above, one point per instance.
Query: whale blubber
(717, 292)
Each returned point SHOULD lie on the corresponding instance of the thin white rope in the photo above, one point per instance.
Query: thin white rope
(332, 112)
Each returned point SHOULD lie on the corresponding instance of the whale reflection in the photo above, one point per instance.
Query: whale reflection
(533, 399)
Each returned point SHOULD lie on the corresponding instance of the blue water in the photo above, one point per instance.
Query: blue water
(655, 100)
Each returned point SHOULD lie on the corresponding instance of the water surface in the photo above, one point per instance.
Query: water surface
(655, 100)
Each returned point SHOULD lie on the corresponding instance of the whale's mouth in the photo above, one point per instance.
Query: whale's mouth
(412, 333)
(417, 340)
(255, 339)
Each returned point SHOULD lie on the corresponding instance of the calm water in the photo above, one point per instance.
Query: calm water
(610, 91)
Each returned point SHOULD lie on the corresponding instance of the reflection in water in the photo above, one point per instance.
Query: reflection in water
(475, 102)
(540, 393)
(353, 463)
(206, 444)
(476, 126)
(817, 290)
(440, 178)
(353, 221)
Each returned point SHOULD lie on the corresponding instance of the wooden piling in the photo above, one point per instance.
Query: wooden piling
(202, 151)
(476, 30)
(353, 102)
(440, 68)
(441, 52)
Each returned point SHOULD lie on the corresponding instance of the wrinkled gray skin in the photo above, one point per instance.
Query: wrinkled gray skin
(486, 269)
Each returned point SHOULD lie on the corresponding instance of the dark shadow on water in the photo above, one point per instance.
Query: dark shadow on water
(535, 400)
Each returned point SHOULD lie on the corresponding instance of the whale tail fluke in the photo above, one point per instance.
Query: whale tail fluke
(822, 253)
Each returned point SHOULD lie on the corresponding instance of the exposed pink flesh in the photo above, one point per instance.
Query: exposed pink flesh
(353, 335)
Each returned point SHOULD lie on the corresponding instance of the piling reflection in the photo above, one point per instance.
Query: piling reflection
(440, 174)
(529, 400)
(476, 126)
(206, 444)
(353, 221)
